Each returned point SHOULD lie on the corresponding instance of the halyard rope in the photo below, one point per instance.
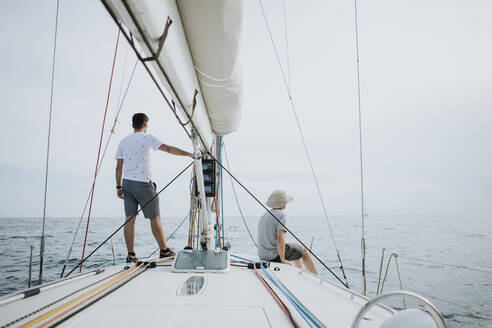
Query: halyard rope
(100, 144)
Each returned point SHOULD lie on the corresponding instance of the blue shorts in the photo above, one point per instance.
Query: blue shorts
(140, 193)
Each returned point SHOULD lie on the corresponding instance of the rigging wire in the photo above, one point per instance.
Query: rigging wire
(363, 241)
(171, 235)
(465, 307)
(100, 144)
(477, 314)
(287, 57)
(457, 266)
(120, 94)
(280, 222)
(237, 200)
(446, 264)
(99, 167)
(131, 218)
(308, 156)
(41, 248)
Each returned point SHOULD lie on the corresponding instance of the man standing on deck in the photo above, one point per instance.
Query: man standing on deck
(271, 231)
(133, 165)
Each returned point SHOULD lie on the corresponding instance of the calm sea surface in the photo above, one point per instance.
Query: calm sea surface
(448, 260)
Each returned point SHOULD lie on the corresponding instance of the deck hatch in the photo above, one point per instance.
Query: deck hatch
(201, 261)
(192, 286)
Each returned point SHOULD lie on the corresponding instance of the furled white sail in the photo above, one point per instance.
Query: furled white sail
(211, 31)
(146, 22)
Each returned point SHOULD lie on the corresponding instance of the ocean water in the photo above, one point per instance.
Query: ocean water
(447, 260)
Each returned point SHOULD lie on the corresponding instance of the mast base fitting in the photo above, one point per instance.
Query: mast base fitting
(258, 265)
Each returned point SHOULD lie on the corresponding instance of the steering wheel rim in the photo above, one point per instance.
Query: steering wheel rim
(436, 316)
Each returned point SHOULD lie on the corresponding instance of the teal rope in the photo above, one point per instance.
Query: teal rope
(299, 307)
(288, 298)
(242, 258)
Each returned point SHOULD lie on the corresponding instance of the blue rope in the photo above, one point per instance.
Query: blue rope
(291, 300)
(302, 311)
(242, 258)
(237, 261)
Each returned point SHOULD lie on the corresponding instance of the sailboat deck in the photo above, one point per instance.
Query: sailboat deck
(152, 298)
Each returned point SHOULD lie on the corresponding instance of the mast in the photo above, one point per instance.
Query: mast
(197, 71)
(41, 248)
(205, 225)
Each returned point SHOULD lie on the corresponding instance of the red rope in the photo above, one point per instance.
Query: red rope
(281, 304)
(218, 223)
(100, 145)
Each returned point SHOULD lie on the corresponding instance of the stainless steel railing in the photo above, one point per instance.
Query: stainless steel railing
(436, 316)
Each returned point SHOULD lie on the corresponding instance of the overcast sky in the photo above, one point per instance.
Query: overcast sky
(426, 98)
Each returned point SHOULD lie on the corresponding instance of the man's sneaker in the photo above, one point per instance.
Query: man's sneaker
(166, 253)
(131, 258)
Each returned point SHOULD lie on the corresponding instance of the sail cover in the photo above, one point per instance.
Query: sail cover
(213, 30)
(200, 52)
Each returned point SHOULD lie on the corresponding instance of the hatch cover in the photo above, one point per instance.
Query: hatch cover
(201, 261)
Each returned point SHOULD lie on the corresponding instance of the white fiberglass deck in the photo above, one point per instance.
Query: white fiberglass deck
(236, 298)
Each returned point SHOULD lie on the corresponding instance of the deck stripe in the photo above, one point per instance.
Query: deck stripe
(61, 307)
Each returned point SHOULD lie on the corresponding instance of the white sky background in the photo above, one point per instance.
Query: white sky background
(426, 99)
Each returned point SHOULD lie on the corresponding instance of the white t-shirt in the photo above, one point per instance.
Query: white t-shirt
(134, 151)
